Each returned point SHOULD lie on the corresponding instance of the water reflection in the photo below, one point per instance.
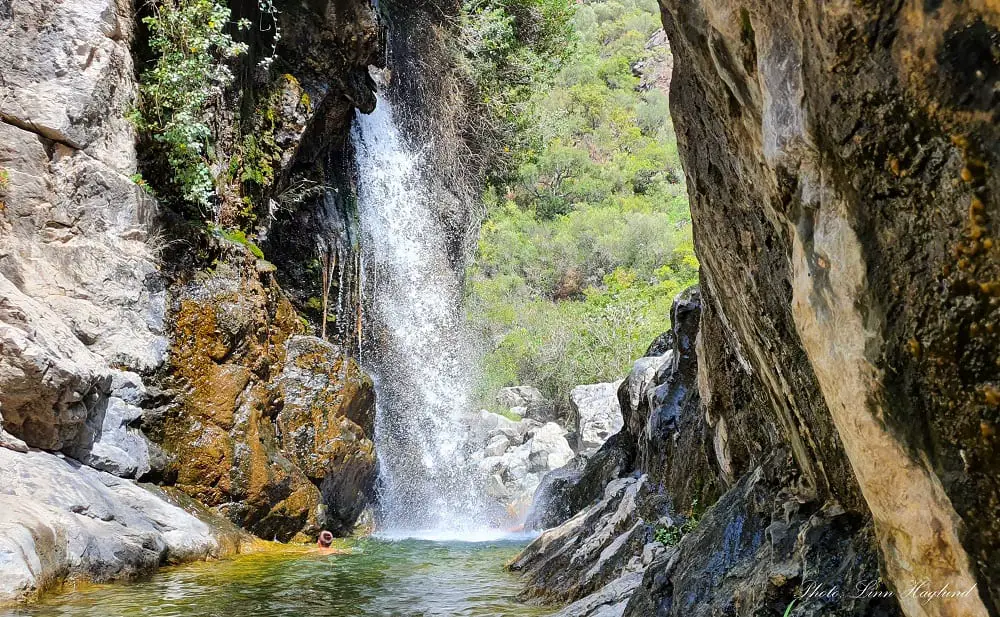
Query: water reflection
(399, 579)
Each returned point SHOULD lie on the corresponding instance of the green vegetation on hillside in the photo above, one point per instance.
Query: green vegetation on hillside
(508, 50)
(194, 57)
(191, 42)
(587, 237)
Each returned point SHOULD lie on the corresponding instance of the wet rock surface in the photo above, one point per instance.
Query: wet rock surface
(677, 547)
(60, 519)
(325, 426)
(591, 549)
(569, 489)
(270, 427)
(755, 548)
(320, 77)
(842, 174)
(841, 166)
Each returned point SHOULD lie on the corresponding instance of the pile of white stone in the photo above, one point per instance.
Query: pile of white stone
(514, 456)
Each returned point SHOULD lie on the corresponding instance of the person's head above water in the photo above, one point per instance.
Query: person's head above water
(325, 539)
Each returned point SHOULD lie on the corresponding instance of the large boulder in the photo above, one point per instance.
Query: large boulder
(110, 439)
(590, 550)
(496, 446)
(229, 335)
(548, 448)
(527, 402)
(596, 414)
(325, 426)
(110, 442)
(513, 460)
(49, 381)
(270, 427)
(643, 372)
(486, 425)
(60, 520)
(569, 489)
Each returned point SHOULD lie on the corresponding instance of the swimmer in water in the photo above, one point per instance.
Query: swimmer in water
(324, 542)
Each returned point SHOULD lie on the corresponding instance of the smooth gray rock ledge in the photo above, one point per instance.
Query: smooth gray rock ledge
(61, 520)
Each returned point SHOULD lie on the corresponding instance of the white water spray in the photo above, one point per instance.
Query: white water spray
(416, 347)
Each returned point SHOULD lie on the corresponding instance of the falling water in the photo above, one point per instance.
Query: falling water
(415, 346)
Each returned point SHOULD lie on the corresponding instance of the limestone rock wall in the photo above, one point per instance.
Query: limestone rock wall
(137, 341)
(840, 160)
(82, 295)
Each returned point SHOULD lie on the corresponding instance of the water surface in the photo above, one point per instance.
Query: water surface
(406, 578)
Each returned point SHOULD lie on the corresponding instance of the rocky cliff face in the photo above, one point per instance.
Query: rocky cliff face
(840, 161)
(82, 295)
(143, 344)
(271, 427)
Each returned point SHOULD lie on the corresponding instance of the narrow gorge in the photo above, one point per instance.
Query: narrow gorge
(575, 308)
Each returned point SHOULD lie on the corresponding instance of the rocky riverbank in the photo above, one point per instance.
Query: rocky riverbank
(60, 520)
(140, 345)
(829, 419)
(513, 453)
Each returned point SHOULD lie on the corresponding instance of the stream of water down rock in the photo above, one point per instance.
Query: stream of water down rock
(417, 349)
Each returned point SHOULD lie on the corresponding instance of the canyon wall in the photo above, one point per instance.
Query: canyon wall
(840, 159)
(152, 343)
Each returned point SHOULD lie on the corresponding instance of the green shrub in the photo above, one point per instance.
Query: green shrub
(139, 181)
(253, 165)
(588, 239)
(237, 236)
(192, 45)
(507, 50)
(4, 185)
(670, 535)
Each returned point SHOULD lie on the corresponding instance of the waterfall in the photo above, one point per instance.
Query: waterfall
(415, 347)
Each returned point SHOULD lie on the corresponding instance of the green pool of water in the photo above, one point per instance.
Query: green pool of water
(405, 578)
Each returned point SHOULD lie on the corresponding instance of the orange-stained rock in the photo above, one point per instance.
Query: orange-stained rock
(280, 446)
(325, 425)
